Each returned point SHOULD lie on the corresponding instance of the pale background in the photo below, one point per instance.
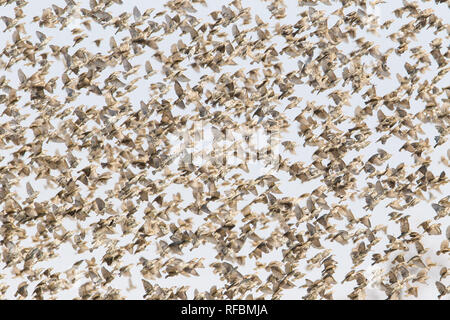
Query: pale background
(419, 213)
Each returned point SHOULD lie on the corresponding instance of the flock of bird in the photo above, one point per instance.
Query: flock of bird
(244, 219)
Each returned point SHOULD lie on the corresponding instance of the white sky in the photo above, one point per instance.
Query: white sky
(206, 278)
